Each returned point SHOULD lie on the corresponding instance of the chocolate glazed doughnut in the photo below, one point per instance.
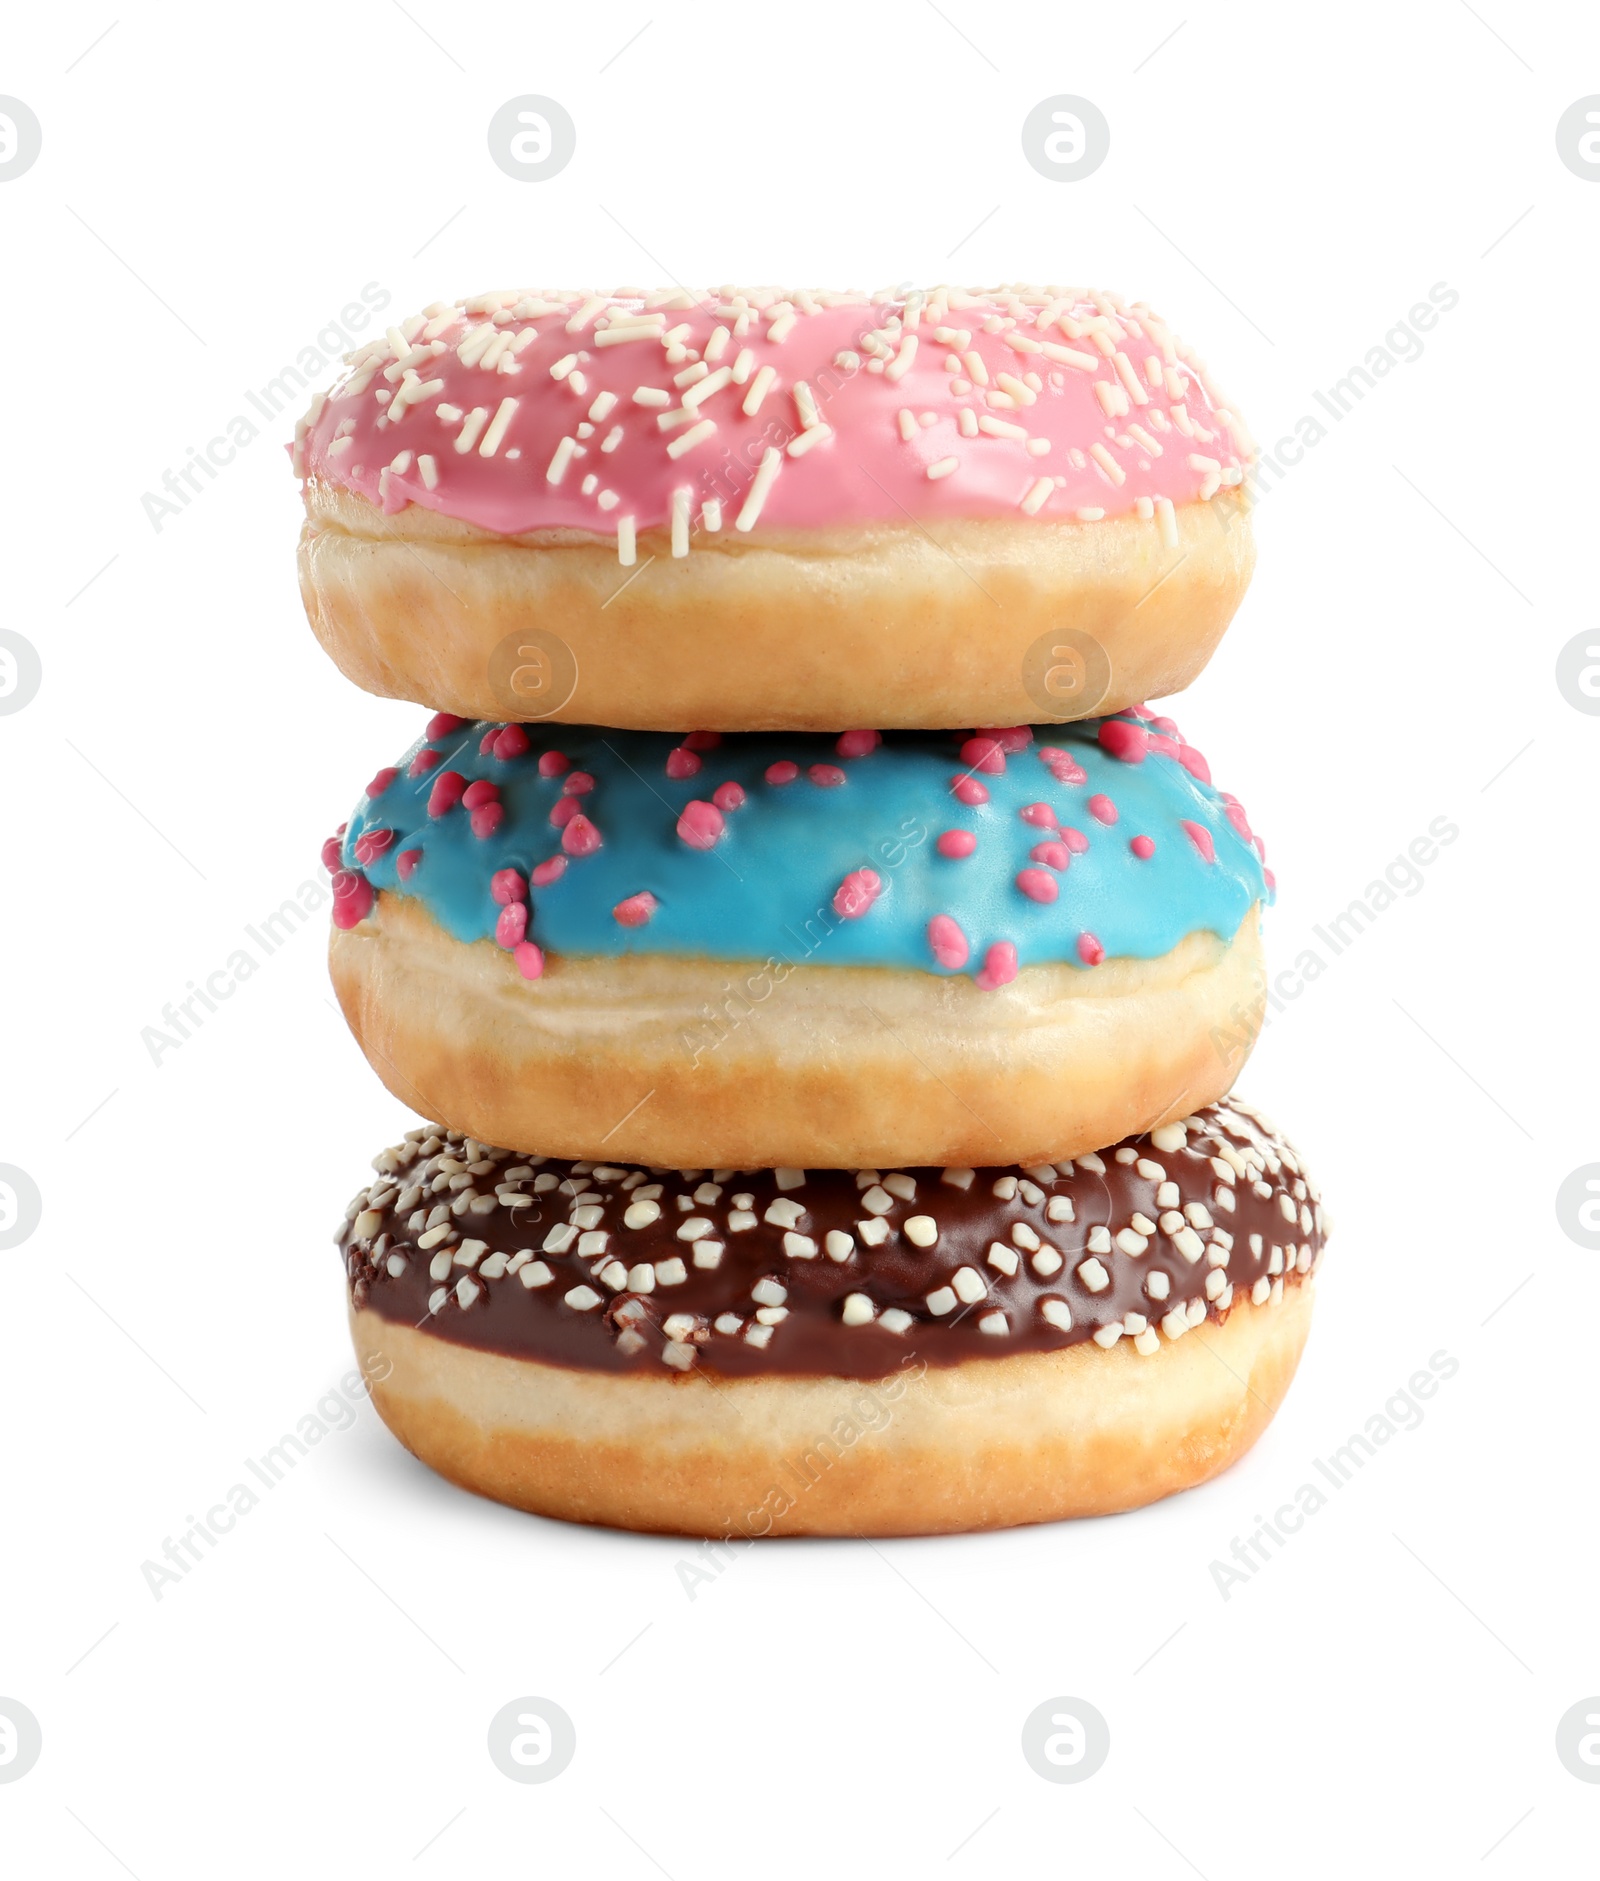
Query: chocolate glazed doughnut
(834, 1352)
(663, 485)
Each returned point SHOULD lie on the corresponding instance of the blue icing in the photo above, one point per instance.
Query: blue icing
(767, 887)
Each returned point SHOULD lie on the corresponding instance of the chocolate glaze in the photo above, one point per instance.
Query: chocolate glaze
(630, 1330)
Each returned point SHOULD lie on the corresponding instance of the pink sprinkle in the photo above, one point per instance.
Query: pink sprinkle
(968, 790)
(1052, 855)
(1270, 879)
(486, 819)
(478, 793)
(1193, 763)
(511, 743)
(382, 781)
(580, 837)
(1163, 746)
(512, 927)
(1090, 952)
(682, 762)
(352, 898)
(553, 763)
(372, 843)
(783, 772)
(443, 723)
(635, 910)
(826, 776)
(446, 792)
(1143, 847)
(1038, 813)
(542, 874)
(1010, 738)
(1139, 710)
(999, 967)
(984, 754)
(856, 893)
(1075, 840)
(405, 864)
(1167, 725)
(948, 943)
(1124, 741)
(506, 885)
(1200, 836)
(423, 762)
(562, 811)
(703, 740)
(1259, 846)
(1064, 769)
(956, 843)
(858, 744)
(1234, 810)
(333, 855)
(701, 824)
(530, 962)
(579, 784)
(486, 742)
(729, 796)
(339, 832)
(1037, 884)
(1102, 809)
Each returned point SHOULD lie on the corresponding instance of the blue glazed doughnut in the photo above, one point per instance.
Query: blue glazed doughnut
(756, 929)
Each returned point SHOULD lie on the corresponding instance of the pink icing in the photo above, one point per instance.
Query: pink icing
(922, 404)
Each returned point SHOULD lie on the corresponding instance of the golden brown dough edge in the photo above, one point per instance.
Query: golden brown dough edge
(836, 1067)
(989, 1443)
(881, 626)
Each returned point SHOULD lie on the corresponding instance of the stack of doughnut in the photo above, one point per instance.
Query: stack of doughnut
(822, 977)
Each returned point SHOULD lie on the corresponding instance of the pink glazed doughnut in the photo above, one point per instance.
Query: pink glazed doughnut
(764, 509)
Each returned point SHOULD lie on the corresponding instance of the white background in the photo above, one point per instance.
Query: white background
(1284, 183)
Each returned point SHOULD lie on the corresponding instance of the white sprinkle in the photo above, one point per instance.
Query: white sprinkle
(840, 1246)
(497, 430)
(1056, 1313)
(969, 1285)
(1131, 1241)
(771, 464)
(858, 1310)
(696, 434)
(959, 1178)
(896, 1319)
(696, 1228)
(873, 1231)
(559, 462)
(641, 1214)
(942, 1300)
(995, 1323)
(671, 1272)
(943, 468)
(582, 1299)
(1093, 1275)
(789, 1178)
(536, 1274)
(877, 1200)
(1107, 463)
(900, 364)
(708, 1253)
(681, 500)
(799, 1247)
(429, 471)
(713, 382)
(1059, 1208)
(921, 1230)
(1038, 491)
(1000, 428)
(1006, 1259)
(760, 385)
(798, 446)
(651, 395)
(605, 403)
(769, 1292)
